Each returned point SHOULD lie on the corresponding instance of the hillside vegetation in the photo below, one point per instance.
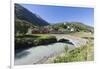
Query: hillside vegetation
(72, 27)
(21, 26)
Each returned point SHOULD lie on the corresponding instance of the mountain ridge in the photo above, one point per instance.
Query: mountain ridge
(24, 14)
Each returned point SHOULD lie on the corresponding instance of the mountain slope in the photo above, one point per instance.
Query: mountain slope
(21, 26)
(24, 14)
(77, 26)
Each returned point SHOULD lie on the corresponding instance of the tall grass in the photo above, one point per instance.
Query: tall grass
(83, 53)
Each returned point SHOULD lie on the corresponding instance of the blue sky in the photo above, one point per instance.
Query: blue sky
(56, 14)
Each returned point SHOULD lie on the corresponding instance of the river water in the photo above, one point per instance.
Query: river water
(39, 54)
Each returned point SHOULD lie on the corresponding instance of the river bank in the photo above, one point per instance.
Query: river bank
(40, 54)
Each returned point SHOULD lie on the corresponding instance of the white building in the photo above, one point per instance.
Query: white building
(72, 29)
(68, 27)
(64, 23)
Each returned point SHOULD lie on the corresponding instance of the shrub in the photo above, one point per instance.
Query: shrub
(45, 40)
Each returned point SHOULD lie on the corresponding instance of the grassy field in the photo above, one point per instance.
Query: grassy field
(82, 34)
(84, 53)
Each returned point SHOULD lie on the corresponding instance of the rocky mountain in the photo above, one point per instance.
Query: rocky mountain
(24, 14)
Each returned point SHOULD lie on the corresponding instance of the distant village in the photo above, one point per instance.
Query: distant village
(47, 29)
(50, 29)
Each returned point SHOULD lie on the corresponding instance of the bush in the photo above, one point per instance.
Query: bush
(45, 40)
(27, 41)
(22, 43)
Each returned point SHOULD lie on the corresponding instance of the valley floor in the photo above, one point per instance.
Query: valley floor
(55, 53)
